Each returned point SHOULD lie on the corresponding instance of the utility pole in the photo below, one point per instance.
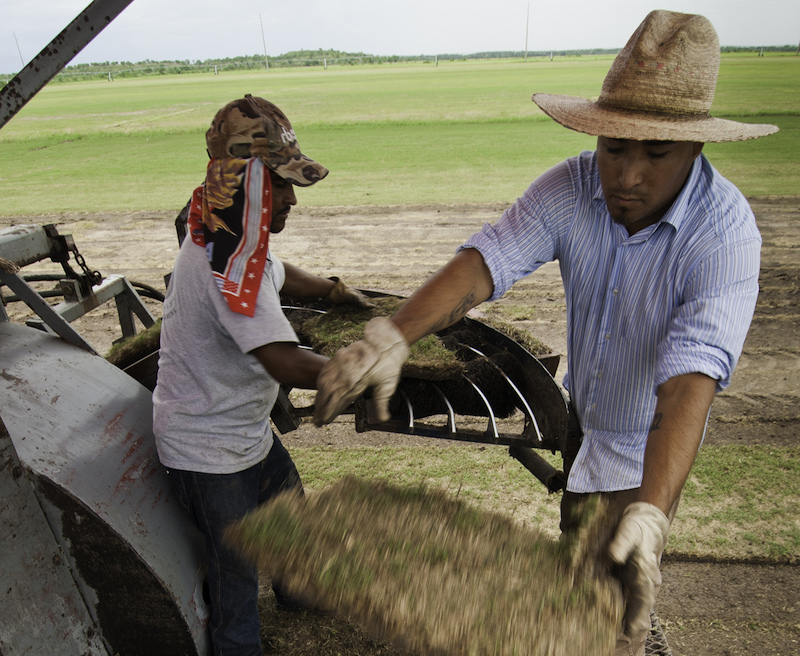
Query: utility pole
(264, 41)
(21, 60)
(527, 21)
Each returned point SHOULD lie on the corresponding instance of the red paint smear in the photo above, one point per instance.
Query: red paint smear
(112, 427)
(134, 448)
(141, 470)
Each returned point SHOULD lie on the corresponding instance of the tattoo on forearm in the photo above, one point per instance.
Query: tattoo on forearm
(466, 304)
(656, 421)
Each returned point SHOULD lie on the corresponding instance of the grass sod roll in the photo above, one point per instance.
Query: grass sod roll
(435, 575)
(342, 325)
(124, 353)
(440, 357)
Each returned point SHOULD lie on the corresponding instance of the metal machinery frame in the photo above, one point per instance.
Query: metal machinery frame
(92, 524)
(82, 292)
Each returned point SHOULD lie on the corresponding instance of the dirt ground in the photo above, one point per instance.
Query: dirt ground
(708, 608)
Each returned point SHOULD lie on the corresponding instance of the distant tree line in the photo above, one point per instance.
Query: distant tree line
(299, 58)
(759, 48)
(303, 58)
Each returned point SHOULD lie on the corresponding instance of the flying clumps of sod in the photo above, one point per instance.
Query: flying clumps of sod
(435, 575)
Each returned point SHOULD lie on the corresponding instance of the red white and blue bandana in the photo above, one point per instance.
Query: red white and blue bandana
(230, 217)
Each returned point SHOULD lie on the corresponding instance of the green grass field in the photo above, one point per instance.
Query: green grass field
(413, 134)
(391, 134)
(734, 506)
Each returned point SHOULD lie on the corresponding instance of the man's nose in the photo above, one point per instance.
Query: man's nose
(291, 198)
(630, 173)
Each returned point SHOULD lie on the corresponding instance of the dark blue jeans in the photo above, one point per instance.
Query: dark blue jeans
(215, 501)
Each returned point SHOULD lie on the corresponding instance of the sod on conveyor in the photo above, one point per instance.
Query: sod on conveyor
(434, 574)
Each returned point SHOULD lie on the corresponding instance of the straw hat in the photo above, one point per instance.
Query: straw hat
(254, 127)
(660, 87)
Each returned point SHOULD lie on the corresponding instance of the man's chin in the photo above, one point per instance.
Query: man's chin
(623, 218)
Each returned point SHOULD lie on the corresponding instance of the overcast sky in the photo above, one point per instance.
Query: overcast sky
(205, 29)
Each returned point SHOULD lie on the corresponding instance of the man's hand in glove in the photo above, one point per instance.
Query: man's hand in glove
(374, 362)
(341, 294)
(637, 545)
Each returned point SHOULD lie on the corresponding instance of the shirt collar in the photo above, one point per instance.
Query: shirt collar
(676, 214)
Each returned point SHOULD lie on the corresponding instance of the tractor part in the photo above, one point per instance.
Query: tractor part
(505, 396)
(101, 558)
(82, 431)
(56, 55)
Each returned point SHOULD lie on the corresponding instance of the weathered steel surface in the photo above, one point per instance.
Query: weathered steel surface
(57, 54)
(43, 611)
(25, 244)
(82, 428)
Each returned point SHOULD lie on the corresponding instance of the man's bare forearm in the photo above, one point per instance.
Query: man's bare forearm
(290, 364)
(303, 284)
(446, 297)
(675, 436)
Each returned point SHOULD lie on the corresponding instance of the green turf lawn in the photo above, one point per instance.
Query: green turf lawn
(410, 134)
(735, 504)
(391, 134)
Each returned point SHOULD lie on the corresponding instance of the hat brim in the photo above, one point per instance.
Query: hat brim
(300, 170)
(591, 117)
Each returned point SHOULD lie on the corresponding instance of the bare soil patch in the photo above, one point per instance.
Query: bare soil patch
(708, 608)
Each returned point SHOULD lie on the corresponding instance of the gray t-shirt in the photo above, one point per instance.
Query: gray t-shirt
(213, 399)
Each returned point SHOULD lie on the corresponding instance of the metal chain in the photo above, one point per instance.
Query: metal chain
(94, 276)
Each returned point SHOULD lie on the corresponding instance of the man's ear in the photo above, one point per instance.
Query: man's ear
(697, 148)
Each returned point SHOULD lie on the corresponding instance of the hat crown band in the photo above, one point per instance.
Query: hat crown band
(663, 87)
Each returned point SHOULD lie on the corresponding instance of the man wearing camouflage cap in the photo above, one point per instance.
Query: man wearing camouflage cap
(659, 256)
(226, 347)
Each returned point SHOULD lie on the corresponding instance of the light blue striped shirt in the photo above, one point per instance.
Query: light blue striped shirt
(675, 298)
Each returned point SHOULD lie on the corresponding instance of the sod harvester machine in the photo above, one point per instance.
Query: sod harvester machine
(98, 556)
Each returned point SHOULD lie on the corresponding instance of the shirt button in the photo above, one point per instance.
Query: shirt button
(599, 374)
(607, 335)
(615, 292)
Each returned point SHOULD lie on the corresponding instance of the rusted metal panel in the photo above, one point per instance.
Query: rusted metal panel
(83, 429)
(57, 54)
(43, 611)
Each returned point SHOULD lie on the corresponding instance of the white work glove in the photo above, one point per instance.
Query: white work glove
(341, 294)
(373, 362)
(637, 545)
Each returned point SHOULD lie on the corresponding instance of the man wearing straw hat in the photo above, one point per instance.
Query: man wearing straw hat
(659, 256)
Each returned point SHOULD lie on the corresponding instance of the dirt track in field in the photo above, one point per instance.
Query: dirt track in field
(708, 609)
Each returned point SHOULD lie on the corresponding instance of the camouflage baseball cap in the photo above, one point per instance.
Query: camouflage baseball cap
(254, 127)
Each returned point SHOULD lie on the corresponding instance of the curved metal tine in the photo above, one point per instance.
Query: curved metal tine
(306, 309)
(410, 409)
(492, 421)
(451, 415)
(526, 408)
